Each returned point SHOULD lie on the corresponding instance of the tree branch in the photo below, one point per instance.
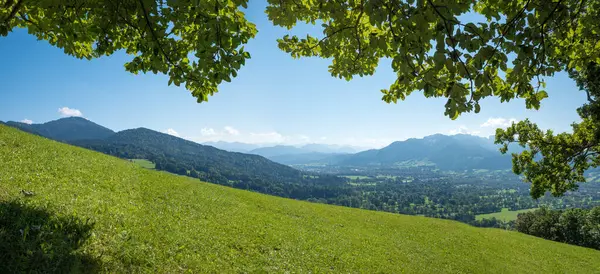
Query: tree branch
(357, 35)
(455, 51)
(160, 47)
(505, 30)
(330, 35)
(8, 4)
(14, 11)
(154, 36)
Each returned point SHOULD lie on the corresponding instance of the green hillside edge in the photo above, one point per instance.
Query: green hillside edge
(142, 220)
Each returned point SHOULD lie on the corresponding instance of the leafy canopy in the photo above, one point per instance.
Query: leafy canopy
(196, 43)
(433, 49)
(557, 162)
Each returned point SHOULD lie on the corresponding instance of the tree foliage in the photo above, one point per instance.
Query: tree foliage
(573, 226)
(435, 51)
(196, 43)
(463, 51)
(557, 162)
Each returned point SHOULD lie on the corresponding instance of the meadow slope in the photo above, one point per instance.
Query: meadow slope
(66, 208)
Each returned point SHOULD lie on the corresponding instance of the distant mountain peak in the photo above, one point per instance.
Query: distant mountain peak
(66, 129)
(72, 118)
(453, 152)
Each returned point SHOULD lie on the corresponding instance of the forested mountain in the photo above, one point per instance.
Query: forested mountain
(456, 152)
(184, 157)
(66, 129)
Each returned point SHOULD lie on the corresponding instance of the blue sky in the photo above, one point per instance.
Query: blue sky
(274, 100)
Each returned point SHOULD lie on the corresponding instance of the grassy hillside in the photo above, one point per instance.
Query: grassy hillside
(66, 208)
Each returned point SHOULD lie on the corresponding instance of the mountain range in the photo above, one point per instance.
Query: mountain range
(447, 152)
(455, 152)
(232, 146)
(276, 150)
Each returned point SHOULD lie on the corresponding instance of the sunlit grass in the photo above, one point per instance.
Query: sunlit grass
(504, 215)
(124, 218)
(144, 163)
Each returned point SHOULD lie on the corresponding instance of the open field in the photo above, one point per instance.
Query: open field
(356, 177)
(144, 163)
(67, 209)
(505, 214)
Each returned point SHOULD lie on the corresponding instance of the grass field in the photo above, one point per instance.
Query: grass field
(144, 163)
(505, 214)
(66, 209)
(355, 177)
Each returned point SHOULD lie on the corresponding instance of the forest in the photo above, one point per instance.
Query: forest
(574, 226)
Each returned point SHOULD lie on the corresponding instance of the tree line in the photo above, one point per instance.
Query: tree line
(574, 226)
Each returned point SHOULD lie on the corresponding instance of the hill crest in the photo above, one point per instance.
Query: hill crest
(66, 129)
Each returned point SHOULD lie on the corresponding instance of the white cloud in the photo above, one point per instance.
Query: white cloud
(464, 130)
(270, 138)
(27, 121)
(231, 131)
(69, 112)
(231, 134)
(498, 122)
(172, 132)
(207, 132)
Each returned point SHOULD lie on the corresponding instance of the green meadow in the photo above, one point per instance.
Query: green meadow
(144, 163)
(504, 215)
(66, 209)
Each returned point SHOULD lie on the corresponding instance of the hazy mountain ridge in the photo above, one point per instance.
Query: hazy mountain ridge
(276, 150)
(446, 152)
(306, 154)
(308, 158)
(455, 152)
(232, 146)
